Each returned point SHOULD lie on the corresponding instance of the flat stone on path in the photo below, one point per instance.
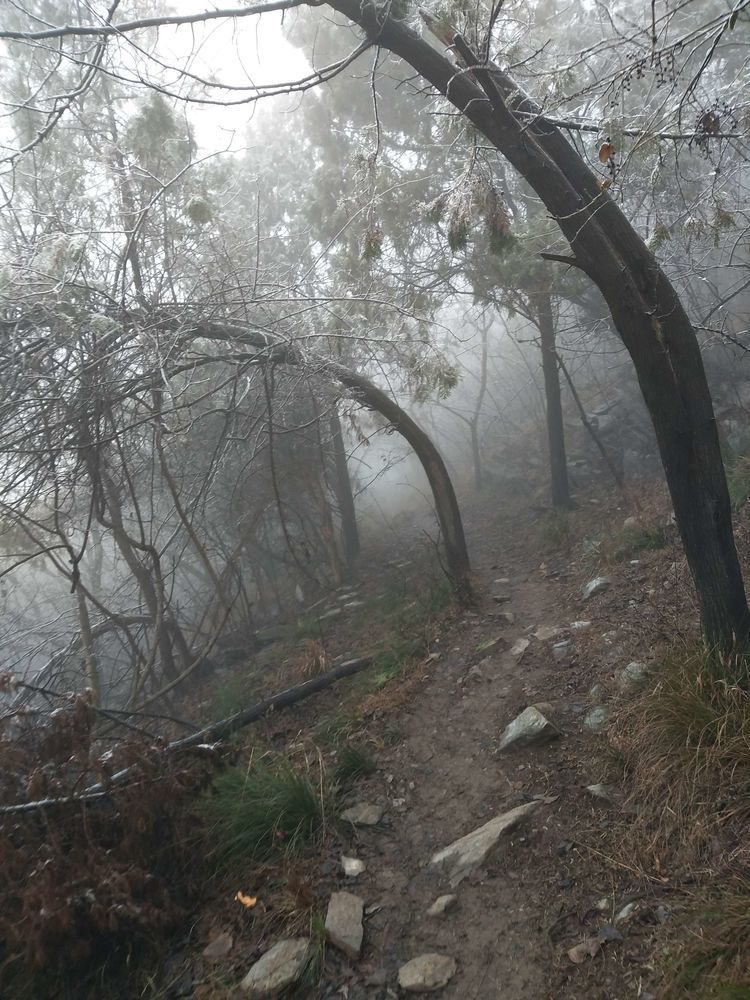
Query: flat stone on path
(363, 814)
(281, 966)
(518, 648)
(465, 855)
(442, 905)
(344, 923)
(530, 727)
(596, 586)
(547, 632)
(426, 973)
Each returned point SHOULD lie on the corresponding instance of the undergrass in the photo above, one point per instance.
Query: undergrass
(686, 747)
(353, 762)
(268, 809)
(708, 957)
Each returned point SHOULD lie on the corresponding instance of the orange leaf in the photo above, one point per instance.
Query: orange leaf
(248, 901)
(606, 150)
(604, 183)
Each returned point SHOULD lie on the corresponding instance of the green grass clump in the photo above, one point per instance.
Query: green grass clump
(641, 539)
(353, 762)
(233, 693)
(271, 808)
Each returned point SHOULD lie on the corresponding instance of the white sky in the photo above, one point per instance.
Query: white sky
(250, 50)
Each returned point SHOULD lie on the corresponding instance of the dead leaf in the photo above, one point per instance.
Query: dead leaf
(583, 950)
(606, 150)
(248, 901)
(604, 183)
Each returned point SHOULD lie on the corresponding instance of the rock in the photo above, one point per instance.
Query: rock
(363, 814)
(607, 933)
(626, 913)
(596, 586)
(545, 707)
(596, 692)
(507, 616)
(491, 646)
(631, 524)
(219, 947)
(465, 855)
(596, 720)
(281, 966)
(344, 923)
(585, 949)
(530, 727)
(632, 675)
(352, 866)
(561, 650)
(442, 905)
(378, 977)
(518, 648)
(546, 632)
(581, 626)
(475, 674)
(426, 973)
(606, 793)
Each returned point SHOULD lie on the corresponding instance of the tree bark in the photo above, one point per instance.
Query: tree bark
(555, 428)
(646, 310)
(343, 491)
(446, 505)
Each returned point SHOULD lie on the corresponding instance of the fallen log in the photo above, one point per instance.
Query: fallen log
(217, 731)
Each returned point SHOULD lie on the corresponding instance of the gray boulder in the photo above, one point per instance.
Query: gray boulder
(530, 727)
(426, 973)
(280, 967)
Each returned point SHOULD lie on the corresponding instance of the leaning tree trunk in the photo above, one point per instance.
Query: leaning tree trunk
(343, 491)
(446, 505)
(646, 309)
(555, 429)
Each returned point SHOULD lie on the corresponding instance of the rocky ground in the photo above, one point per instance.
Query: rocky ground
(486, 857)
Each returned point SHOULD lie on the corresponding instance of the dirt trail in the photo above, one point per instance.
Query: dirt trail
(444, 778)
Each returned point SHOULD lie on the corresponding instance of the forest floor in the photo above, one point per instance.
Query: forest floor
(572, 874)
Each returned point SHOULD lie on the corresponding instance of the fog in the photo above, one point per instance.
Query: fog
(236, 221)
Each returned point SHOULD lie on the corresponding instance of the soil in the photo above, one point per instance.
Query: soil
(558, 880)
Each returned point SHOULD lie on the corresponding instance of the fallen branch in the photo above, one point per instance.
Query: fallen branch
(216, 731)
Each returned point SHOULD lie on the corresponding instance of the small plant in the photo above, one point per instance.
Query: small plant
(268, 809)
(555, 530)
(353, 762)
(642, 539)
(234, 693)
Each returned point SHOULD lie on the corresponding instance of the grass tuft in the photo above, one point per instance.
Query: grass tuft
(686, 747)
(353, 762)
(709, 957)
(271, 808)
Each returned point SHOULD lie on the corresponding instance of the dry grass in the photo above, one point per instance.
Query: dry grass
(708, 957)
(685, 745)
